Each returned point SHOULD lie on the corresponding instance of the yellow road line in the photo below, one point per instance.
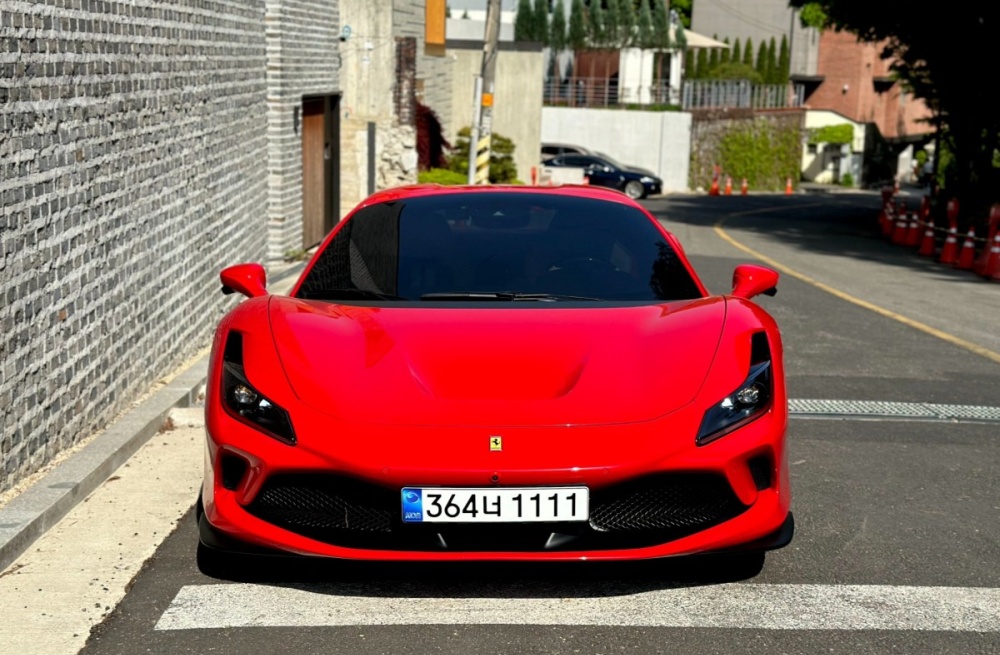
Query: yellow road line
(917, 325)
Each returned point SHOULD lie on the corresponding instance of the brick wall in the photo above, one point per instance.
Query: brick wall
(132, 150)
(303, 59)
(433, 72)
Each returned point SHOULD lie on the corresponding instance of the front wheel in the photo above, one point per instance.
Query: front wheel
(635, 190)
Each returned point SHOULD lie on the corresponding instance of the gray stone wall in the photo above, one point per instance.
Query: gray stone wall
(302, 59)
(133, 145)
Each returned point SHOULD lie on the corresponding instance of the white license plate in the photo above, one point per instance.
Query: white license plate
(493, 505)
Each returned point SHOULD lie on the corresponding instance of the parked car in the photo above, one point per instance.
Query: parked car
(602, 170)
(550, 150)
(496, 373)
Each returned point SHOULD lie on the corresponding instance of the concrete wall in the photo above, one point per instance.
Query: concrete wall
(659, 141)
(434, 71)
(517, 112)
(133, 149)
(302, 59)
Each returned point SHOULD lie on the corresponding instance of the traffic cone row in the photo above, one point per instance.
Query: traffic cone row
(967, 257)
(928, 244)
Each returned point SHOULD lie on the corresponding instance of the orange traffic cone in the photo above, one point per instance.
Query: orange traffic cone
(991, 271)
(729, 185)
(788, 186)
(949, 253)
(534, 176)
(952, 211)
(899, 230)
(927, 246)
(895, 187)
(967, 258)
(714, 190)
(983, 260)
(744, 187)
(912, 231)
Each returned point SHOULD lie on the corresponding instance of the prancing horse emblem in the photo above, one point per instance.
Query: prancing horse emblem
(496, 443)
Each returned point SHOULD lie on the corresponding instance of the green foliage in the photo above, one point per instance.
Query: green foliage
(689, 69)
(661, 25)
(784, 62)
(442, 176)
(557, 30)
(680, 39)
(748, 53)
(644, 32)
(762, 60)
(771, 74)
(763, 151)
(701, 70)
(847, 180)
(598, 24)
(921, 157)
(502, 167)
(651, 107)
(736, 56)
(724, 54)
(843, 133)
(541, 21)
(524, 22)
(713, 62)
(612, 23)
(627, 18)
(813, 15)
(737, 71)
(683, 9)
(577, 38)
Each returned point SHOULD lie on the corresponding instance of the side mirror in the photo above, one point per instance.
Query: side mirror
(248, 279)
(750, 280)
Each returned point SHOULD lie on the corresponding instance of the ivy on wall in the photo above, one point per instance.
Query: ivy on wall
(763, 150)
(832, 134)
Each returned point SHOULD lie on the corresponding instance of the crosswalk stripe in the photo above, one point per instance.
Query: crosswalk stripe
(736, 605)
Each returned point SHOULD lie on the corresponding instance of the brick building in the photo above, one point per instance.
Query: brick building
(144, 145)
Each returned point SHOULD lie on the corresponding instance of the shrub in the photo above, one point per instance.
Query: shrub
(502, 167)
(441, 176)
(847, 180)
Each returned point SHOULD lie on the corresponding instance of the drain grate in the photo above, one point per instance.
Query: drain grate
(889, 409)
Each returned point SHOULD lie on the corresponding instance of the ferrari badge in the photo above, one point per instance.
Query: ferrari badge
(496, 443)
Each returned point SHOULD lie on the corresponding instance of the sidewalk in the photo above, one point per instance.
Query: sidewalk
(34, 511)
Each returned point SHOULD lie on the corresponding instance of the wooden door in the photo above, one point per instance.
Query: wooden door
(314, 173)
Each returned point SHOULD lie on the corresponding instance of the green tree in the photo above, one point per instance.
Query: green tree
(577, 26)
(680, 38)
(724, 54)
(713, 62)
(813, 15)
(701, 70)
(736, 55)
(524, 22)
(557, 30)
(784, 62)
(736, 70)
(689, 69)
(770, 77)
(761, 65)
(502, 167)
(661, 25)
(627, 18)
(683, 9)
(542, 21)
(598, 24)
(612, 23)
(748, 53)
(644, 37)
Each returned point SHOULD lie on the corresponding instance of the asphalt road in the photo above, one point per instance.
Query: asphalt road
(898, 521)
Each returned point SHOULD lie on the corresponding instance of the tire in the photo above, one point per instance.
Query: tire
(635, 190)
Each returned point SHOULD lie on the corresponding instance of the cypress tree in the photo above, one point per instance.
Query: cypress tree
(737, 54)
(557, 31)
(762, 61)
(724, 55)
(680, 38)
(577, 37)
(661, 25)
(542, 21)
(713, 62)
(598, 24)
(524, 22)
(645, 38)
(701, 70)
(626, 12)
(784, 62)
(748, 53)
(772, 63)
(689, 70)
(612, 24)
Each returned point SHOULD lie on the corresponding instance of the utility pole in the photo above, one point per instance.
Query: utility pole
(482, 118)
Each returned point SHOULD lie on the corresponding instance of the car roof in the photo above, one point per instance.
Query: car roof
(420, 190)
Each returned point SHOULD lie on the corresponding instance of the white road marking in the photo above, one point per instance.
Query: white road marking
(749, 606)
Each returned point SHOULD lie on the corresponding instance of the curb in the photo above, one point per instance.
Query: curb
(27, 516)
(30, 514)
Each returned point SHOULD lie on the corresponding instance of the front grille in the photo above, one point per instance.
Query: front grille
(642, 512)
(325, 508)
(668, 506)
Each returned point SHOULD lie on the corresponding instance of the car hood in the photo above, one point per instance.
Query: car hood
(642, 171)
(503, 366)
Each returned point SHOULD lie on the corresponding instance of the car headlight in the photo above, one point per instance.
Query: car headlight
(645, 179)
(747, 402)
(245, 402)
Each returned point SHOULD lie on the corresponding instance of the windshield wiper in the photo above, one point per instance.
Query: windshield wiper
(508, 296)
(348, 294)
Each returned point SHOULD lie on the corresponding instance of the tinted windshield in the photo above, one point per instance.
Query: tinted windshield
(502, 243)
(611, 160)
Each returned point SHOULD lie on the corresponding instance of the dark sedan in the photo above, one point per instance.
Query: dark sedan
(604, 171)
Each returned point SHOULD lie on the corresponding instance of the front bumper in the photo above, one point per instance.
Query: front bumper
(648, 501)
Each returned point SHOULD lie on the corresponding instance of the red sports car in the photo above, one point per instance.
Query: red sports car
(496, 373)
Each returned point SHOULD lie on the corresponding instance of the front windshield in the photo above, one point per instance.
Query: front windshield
(500, 246)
